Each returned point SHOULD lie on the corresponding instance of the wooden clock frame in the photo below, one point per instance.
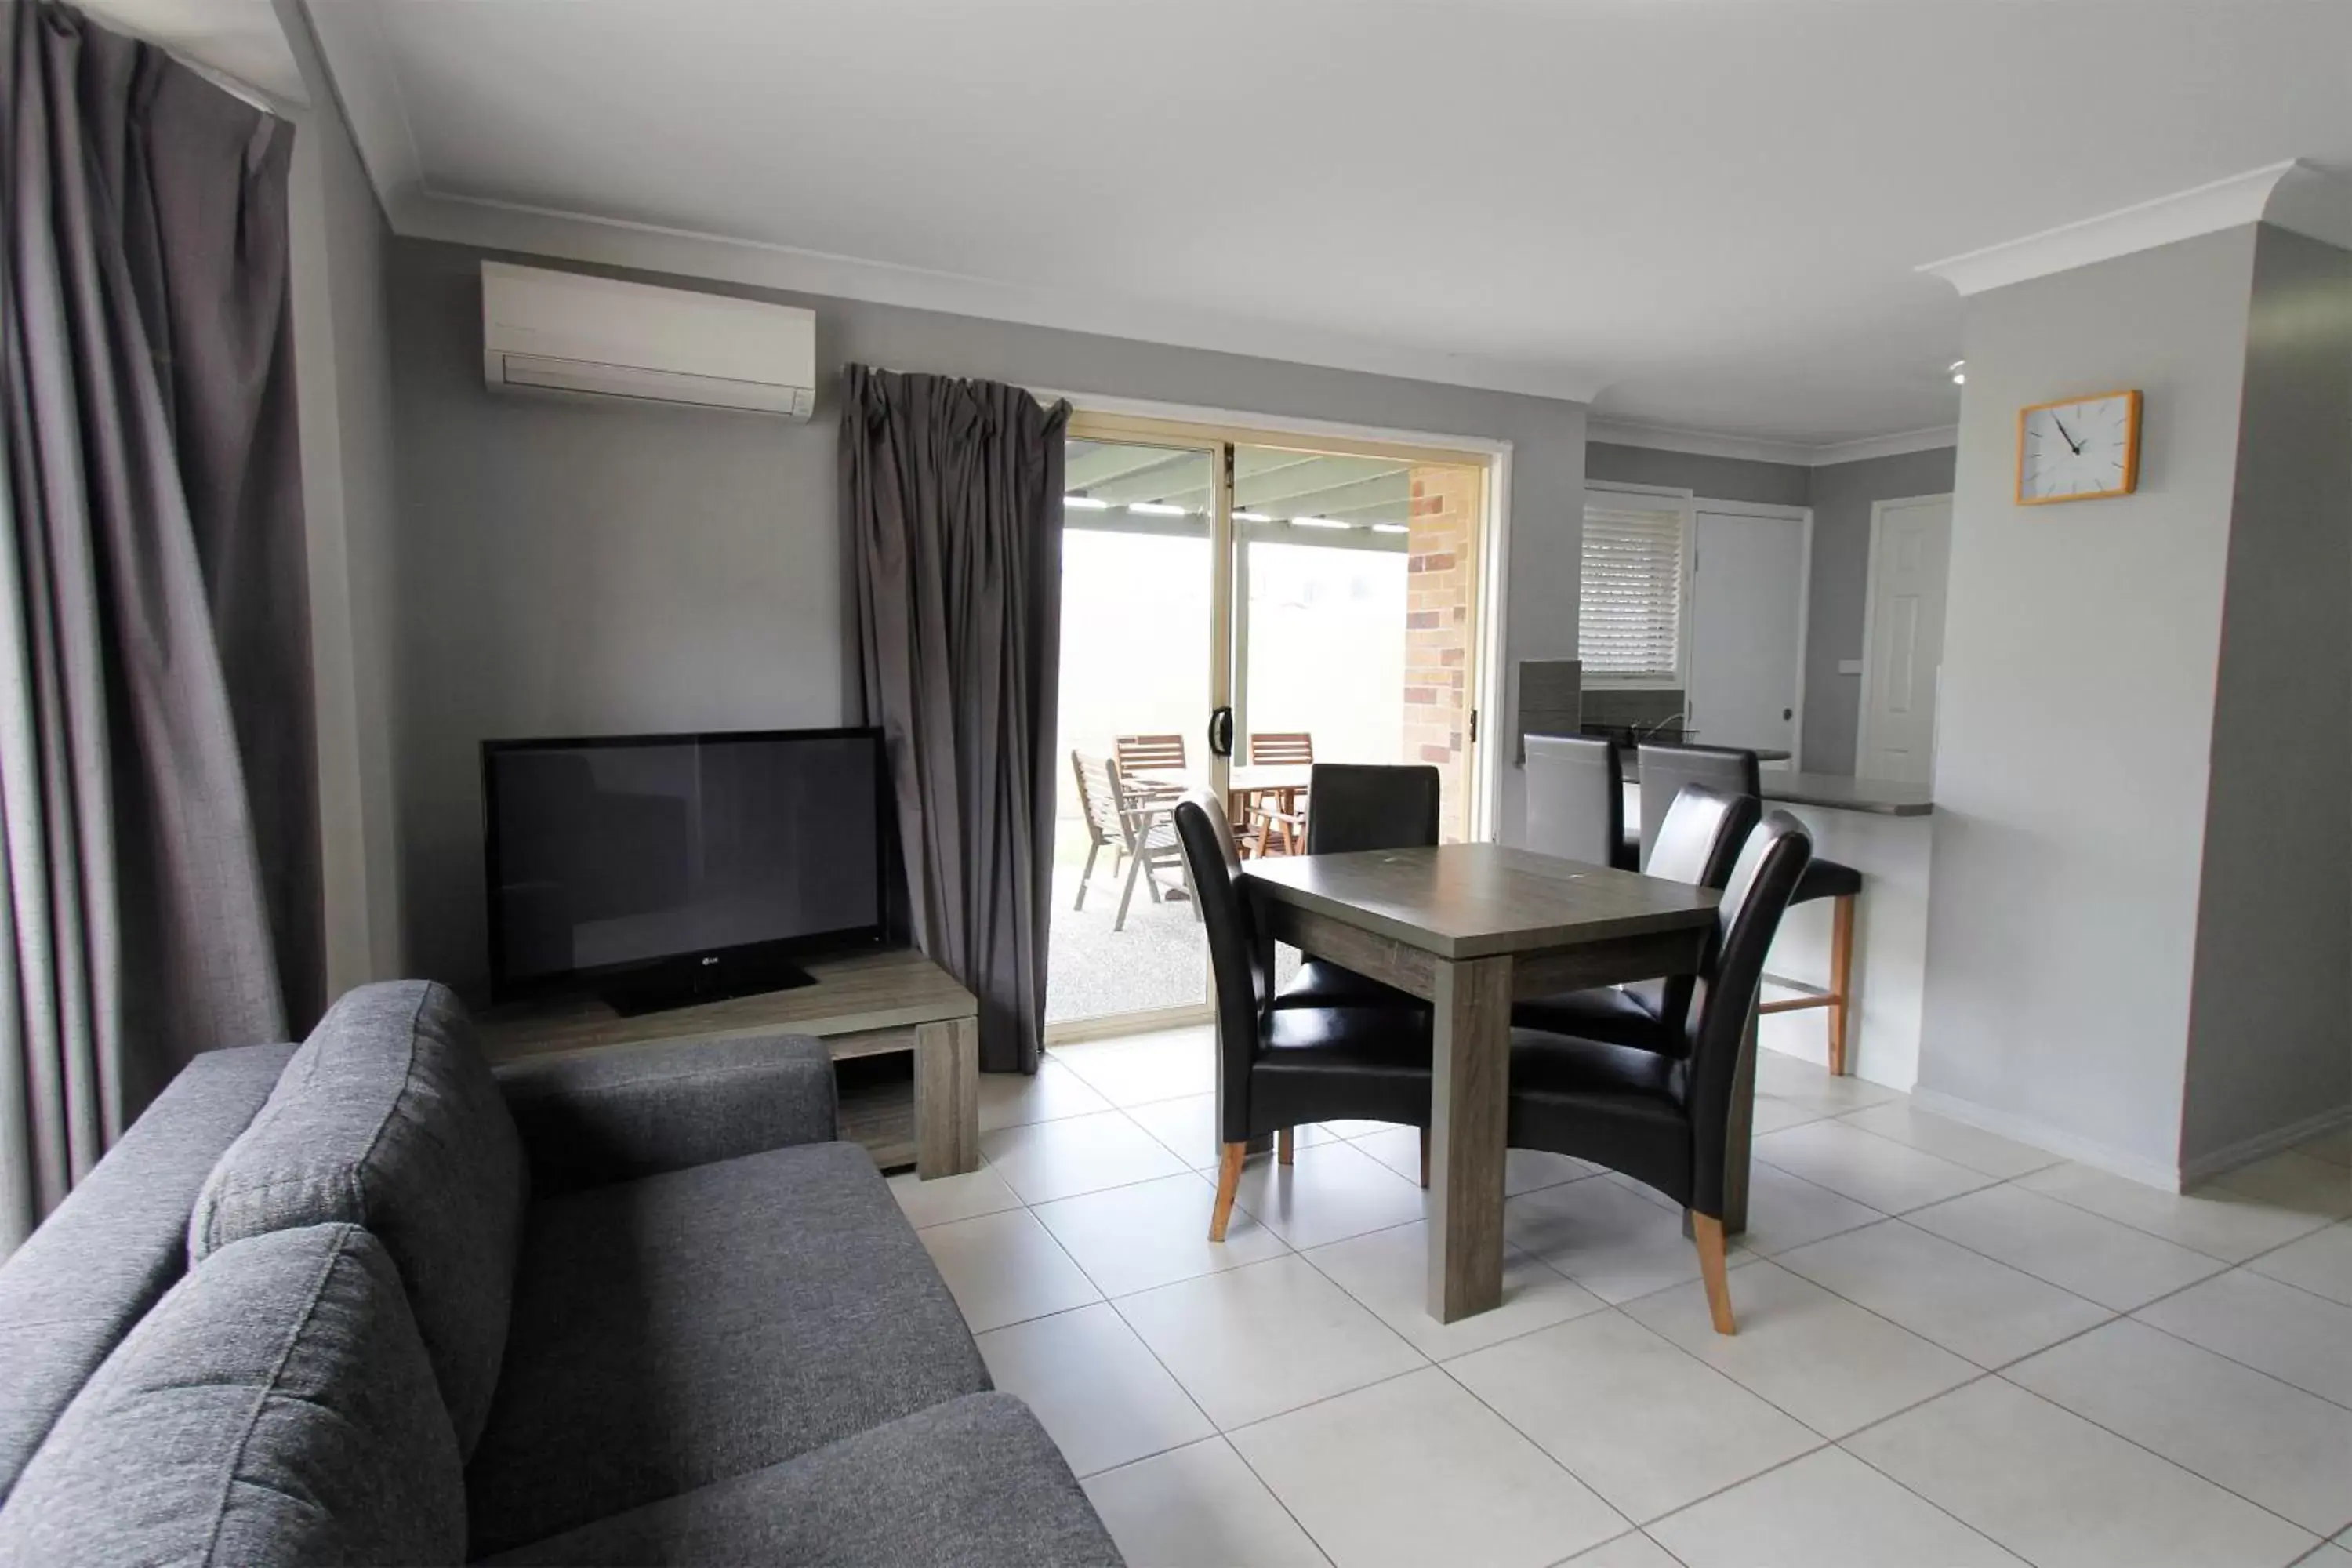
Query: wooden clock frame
(2131, 446)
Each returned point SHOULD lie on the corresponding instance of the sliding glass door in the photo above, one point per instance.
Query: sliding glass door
(1355, 621)
(1237, 608)
(1142, 618)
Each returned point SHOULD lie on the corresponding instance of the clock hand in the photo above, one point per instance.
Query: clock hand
(2077, 445)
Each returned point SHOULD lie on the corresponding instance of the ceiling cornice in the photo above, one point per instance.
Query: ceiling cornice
(2293, 195)
(610, 242)
(1792, 454)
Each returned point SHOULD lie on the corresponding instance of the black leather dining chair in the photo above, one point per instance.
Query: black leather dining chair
(1576, 800)
(1724, 768)
(1361, 806)
(1280, 1067)
(1664, 1119)
(1697, 843)
(1665, 771)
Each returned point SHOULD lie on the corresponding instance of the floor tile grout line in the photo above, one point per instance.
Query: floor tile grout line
(1846, 1117)
(2068, 1291)
(1900, 1483)
(2234, 1361)
(2316, 1295)
(2230, 1262)
(1820, 1442)
(2127, 1438)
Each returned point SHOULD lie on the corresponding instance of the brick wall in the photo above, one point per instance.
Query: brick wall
(1442, 545)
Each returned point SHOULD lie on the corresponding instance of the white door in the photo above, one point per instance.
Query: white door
(1748, 618)
(1910, 562)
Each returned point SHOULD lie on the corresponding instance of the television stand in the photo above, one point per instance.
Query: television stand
(690, 981)
(874, 1001)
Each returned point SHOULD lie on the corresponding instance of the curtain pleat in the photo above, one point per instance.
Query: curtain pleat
(950, 496)
(138, 927)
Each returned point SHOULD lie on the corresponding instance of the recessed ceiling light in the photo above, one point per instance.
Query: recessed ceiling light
(1085, 503)
(1391, 528)
(1319, 523)
(1959, 373)
(1252, 516)
(1158, 509)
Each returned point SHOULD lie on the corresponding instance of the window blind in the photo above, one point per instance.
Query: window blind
(1630, 621)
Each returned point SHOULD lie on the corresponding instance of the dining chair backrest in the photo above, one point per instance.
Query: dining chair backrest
(1701, 838)
(1243, 988)
(1282, 746)
(1762, 880)
(1576, 798)
(1665, 769)
(1368, 805)
(1098, 795)
(1150, 753)
(1698, 843)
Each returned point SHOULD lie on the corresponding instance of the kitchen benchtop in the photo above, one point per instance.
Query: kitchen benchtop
(1836, 791)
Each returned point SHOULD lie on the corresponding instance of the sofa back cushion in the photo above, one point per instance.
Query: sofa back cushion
(119, 1240)
(276, 1407)
(388, 1118)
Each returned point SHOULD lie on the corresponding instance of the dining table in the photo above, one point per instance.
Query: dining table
(1469, 929)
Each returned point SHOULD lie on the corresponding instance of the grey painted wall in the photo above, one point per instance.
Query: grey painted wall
(575, 567)
(2268, 1044)
(1842, 495)
(2076, 727)
(1710, 479)
(338, 238)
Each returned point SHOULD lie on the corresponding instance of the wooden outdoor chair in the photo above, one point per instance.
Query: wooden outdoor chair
(1139, 831)
(1151, 755)
(1280, 815)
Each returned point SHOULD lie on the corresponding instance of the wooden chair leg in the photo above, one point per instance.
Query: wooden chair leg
(1424, 1156)
(1126, 894)
(1840, 978)
(1706, 1230)
(1284, 1147)
(1092, 850)
(1229, 1182)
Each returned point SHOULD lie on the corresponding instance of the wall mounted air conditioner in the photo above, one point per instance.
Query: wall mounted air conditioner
(564, 332)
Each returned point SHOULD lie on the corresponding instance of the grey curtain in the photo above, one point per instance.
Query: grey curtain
(158, 821)
(952, 505)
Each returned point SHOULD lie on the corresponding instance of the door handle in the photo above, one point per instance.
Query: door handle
(1221, 731)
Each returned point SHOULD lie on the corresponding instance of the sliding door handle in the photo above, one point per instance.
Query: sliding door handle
(1221, 731)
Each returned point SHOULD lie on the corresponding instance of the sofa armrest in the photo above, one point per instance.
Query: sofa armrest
(586, 1121)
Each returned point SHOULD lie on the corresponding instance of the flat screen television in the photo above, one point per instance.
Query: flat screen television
(664, 869)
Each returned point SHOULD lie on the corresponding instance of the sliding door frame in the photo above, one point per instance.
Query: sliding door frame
(1143, 422)
(1217, 434)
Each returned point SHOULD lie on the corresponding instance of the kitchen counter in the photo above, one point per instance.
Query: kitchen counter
(1837, 793)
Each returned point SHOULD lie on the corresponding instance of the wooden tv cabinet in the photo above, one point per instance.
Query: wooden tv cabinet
(863, 1004)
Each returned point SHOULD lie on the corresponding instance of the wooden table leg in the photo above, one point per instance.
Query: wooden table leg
(947, 1098)
(1469, 1114)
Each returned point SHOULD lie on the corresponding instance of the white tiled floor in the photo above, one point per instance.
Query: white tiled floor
(1953, 1349)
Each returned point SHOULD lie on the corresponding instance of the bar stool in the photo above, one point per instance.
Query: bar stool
(1665, 771)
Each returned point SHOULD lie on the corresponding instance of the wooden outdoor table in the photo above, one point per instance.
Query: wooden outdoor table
(1470, 928)
(1244, 781)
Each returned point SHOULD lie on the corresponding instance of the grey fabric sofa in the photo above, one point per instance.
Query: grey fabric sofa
(366, 1300)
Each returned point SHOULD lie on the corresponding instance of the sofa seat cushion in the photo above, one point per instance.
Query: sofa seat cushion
(975, 1482)
(684, 1328)
(119, 1240)
(276, 1407)
(388, 1117)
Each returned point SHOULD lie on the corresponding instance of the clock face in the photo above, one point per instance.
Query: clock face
(2080, 449)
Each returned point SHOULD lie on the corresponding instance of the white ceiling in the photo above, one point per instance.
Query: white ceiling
(1703, 214)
